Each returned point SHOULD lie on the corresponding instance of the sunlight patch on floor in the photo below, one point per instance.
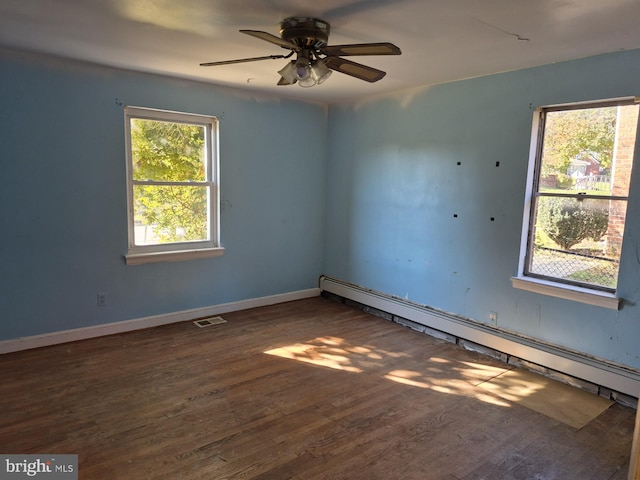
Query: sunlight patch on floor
(451, 377)
(319, 352)
(407, 377)
(450, 386)
(336, 353)
(497, 385)
(478, 373)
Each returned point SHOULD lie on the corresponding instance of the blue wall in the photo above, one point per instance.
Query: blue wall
(372, 202)
(394, 186)
(63, 222)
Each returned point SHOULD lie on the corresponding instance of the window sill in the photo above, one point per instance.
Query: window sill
(568, 292)
(172, 256)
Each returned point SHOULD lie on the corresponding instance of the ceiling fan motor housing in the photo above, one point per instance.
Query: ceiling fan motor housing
(305, 32)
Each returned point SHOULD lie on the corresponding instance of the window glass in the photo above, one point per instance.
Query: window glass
(170, 214)
(173, 202)
(583, 171)
(167, 151)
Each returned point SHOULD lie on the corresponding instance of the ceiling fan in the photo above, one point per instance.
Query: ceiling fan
(307, 37)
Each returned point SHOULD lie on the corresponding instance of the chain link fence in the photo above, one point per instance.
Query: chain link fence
(575, 266)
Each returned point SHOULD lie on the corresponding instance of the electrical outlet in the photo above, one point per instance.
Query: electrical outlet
(102, 299)
(493, 317)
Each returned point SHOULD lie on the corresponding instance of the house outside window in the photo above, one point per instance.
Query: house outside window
(172, 185)
(577, 199)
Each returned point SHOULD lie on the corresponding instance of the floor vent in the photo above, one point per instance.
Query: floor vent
(207, 322)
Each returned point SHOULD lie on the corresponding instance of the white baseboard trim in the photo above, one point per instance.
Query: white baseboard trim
(54, 338)
(598, 371)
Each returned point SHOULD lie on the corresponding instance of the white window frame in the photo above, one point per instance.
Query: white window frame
(583, 294)
(139, 254)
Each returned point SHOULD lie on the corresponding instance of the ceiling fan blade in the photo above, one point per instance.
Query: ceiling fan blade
(384, 48)
(243, 60)
(354, 69)
(271, 39)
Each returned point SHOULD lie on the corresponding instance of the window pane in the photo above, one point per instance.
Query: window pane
(167, 151)
(588, 150)
(578, 240)
(169, 214)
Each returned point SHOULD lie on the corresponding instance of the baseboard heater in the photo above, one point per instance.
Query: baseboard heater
(600, 372)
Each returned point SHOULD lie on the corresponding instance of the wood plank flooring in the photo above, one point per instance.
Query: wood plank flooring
(311, 389)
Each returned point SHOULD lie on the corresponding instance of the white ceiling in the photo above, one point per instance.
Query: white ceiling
(441, 40)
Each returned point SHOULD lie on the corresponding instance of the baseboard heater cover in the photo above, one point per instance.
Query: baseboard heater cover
(581, 366)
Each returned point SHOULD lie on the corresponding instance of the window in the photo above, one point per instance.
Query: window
(577, 200)
(172, 185)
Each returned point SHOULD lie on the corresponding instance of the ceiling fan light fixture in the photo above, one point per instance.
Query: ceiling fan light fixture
(310, 81)
(288, 73)
(302, 72)
(320, 71)
(302, 65)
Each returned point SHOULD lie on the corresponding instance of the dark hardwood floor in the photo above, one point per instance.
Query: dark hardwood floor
(311, 389)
